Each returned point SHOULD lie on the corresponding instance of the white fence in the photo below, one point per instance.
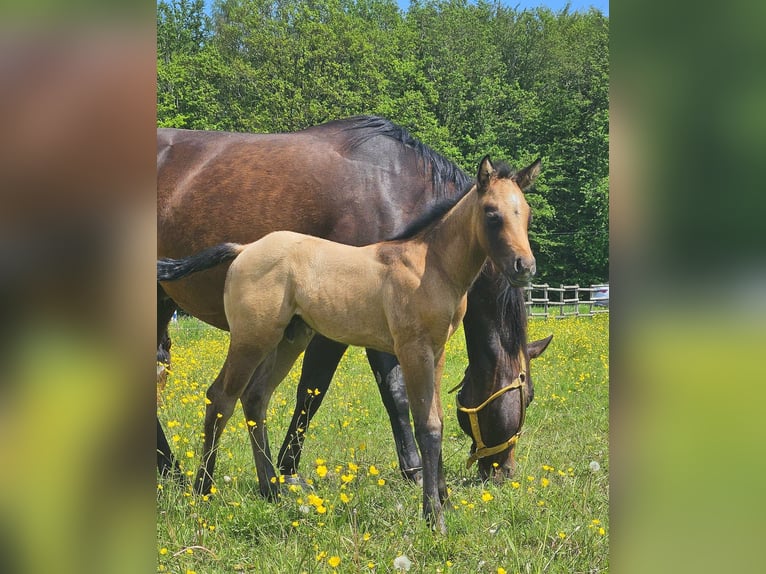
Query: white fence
(566, 300)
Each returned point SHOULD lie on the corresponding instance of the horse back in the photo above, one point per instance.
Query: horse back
(215, 187)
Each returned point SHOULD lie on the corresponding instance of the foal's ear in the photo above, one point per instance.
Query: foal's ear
(486, 169)
(527, 176)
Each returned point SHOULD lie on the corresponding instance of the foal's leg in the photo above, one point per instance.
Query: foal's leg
(265, 380)
(222, 395)
(419, 375)
(442, 483)
(388, 375)
(319, 364)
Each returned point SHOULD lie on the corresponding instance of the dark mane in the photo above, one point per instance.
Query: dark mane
(434, 213)
(438, 209)
(443, 171)
(512, 322)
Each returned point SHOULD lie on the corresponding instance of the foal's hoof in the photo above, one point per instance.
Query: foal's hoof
(271, 492)
(175, 474)
(438, 524)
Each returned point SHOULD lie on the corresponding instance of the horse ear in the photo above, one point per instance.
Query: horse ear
(536, 348)
(486, 169)
(527, 176)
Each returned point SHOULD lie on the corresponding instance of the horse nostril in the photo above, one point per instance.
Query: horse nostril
(520, 265)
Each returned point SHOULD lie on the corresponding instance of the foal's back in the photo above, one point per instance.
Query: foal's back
(337, 289)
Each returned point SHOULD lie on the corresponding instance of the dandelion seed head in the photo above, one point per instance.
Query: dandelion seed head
(402, 563)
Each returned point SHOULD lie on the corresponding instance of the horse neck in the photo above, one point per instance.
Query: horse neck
(453, 244)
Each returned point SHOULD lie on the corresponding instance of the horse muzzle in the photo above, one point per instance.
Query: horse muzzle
(519, 271)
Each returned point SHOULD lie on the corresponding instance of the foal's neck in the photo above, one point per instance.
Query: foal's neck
(453, 243)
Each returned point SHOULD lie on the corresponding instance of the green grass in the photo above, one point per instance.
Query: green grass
(552, 517)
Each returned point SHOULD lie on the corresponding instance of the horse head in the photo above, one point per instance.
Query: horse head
(505, 218)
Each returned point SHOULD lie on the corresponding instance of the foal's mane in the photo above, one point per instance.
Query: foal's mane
(441, 207)
(443, 171)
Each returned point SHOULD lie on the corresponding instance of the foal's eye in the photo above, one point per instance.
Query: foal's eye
(493, 218)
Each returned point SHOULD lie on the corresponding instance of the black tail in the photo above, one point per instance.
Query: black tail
(172, 269)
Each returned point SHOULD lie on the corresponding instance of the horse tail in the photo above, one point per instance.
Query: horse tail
(172, 269)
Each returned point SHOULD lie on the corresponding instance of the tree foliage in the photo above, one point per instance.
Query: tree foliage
(466, 78)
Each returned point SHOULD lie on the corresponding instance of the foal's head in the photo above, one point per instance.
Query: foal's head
(505, 217)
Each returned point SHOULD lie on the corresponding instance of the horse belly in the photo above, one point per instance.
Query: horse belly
(340, 296)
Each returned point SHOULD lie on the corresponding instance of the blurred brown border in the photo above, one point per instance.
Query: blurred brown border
(77, 301)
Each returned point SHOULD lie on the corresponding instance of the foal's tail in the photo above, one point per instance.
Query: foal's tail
(172, 269)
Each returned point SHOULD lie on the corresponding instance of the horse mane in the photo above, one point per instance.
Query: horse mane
(443, 171)
(441, 207)
(512, 311)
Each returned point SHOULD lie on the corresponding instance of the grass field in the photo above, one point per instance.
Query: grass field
(362, 517)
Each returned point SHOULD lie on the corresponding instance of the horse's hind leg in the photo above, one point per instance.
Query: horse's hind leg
(258, 393)
(222, 396)
(388, 375)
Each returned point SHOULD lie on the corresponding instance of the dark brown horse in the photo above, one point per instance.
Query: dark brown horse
(215, 187)
(495, 328)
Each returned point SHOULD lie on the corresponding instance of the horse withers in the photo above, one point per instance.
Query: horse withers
(406, 296)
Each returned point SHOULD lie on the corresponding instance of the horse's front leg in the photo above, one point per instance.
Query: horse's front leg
(388, 375)
(419, 371)
(438, 371)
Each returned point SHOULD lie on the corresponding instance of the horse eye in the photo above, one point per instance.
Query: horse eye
(493, 218)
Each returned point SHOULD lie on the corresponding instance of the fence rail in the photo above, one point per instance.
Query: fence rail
(565, 301)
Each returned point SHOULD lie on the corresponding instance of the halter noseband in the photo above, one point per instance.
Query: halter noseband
(482, 450)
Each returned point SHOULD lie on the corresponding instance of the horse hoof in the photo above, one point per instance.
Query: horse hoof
(271, 493)
(202, 485)
(299, 481)
(415, 476)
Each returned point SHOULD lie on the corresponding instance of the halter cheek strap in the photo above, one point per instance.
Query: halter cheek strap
(482, 450)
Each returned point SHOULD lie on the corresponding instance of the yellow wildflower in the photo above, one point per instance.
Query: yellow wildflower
(333, 561)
